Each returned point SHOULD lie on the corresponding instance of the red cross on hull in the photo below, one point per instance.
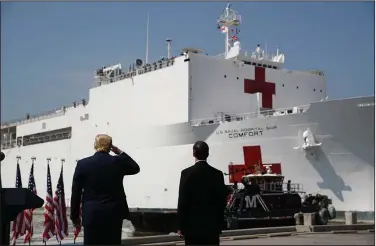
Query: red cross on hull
(252, 157)
(259, 85)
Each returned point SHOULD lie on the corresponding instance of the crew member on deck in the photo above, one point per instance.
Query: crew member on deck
(104, 206)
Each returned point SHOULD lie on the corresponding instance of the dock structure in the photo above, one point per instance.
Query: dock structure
(362, 237)
(345, 232)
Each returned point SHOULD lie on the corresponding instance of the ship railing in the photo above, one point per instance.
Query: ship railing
(282, 187)
(267, 56)
(41, 116)
(293, 187)
(226, 118)
(163, 63)
(223, 55)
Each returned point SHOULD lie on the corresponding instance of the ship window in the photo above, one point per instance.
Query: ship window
(237, 77)
(274, 67)
(264, 65)
(297, 87)
(225, 76)
(49, 136)
(85, 117)
(283, 85)
(19, 141)
(320, 90)
(314, 89)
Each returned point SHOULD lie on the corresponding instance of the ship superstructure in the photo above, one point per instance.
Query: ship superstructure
(249, 109)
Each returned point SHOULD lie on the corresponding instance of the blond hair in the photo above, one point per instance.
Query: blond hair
(103, 142)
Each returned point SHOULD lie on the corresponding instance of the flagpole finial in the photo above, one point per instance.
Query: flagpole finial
(33, 158)
(62, 160)
(18, 157)
(48, 160)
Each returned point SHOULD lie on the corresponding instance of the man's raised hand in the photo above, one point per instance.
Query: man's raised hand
(116, 150)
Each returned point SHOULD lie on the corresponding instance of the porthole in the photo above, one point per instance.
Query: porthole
(237, 77)
(283, 85)
(297, 87)
(314, 89)
(225, 76)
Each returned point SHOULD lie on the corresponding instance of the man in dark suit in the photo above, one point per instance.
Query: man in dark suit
(99, 179)
(202, 200)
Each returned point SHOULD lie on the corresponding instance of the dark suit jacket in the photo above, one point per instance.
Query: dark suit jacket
(202, 200)
(99, 179)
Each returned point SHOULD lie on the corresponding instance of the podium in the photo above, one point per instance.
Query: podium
(13, 201)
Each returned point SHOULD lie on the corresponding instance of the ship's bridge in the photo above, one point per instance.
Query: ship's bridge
(258, 57)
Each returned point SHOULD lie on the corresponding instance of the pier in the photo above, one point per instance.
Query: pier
(349, 231)
(361, 237)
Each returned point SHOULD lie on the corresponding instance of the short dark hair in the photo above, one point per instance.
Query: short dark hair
(201, 150)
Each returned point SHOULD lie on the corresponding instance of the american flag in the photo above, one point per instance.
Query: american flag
(224, 29)
(28, 213)
(49, 226)
(18, 223)
(78, 229)
(61, 221)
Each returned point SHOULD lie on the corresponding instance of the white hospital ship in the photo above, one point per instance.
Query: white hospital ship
(245, 105)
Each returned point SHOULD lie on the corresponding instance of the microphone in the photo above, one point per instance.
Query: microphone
(2, 156)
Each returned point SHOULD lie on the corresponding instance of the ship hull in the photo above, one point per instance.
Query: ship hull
(342, 167)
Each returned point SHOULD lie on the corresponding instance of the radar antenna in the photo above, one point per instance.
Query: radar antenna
(229, 20)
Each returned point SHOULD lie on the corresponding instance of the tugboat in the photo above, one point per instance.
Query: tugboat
(263, 199)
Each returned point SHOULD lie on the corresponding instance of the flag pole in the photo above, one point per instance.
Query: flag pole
(32, 211)
(62, 164)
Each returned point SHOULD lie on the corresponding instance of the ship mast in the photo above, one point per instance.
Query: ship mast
(227, 22)
(147, 41)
